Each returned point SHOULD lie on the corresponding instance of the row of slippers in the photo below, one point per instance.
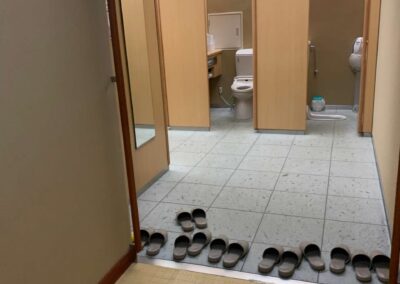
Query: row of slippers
(288, 260)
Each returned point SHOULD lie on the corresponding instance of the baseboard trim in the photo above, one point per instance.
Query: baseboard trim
(120, 267)
(277, 131)
(189, 128)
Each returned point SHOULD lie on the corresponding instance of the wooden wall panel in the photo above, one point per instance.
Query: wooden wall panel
(281, 47)
(152, 158)
(138, 60)
(183, 26)
(368, 74)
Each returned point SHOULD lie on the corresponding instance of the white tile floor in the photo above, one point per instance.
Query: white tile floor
(273, 189)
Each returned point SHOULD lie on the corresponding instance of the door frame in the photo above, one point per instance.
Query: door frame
(121, 78)
(395, 254)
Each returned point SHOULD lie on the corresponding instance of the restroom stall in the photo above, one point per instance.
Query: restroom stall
(334, 28)
(280, 43)
(279, 39)
(183, 33)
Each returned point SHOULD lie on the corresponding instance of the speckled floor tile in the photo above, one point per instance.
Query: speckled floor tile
(207, 136)
(220, 161)
(145, 207)
(269, 164)
(348, 277)
(193, 194)
(355, 187)
(313, 141)
(351, 169)
(243, 138)
(196, 146)
(231, 148)
(297, 204)
(289, 230)
(238, 225)
(302, 183)
(180, 133)
(185, 159)
(260, 150)
(353, 142)
(310, 153)
(243, 199)
(253, 179)
(359, 210)
(275, 139)
(312, 167)
(320, 128)
(175, 173)
(157, 191)
(163, 216)
(173, 144)
(302, 273)
(356, 236)
(353, 155)
(210, 176)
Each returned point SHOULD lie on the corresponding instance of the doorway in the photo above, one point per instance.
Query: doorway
(225, 187)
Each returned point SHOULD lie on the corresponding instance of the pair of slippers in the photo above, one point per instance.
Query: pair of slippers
(191, 245)
(234, 251)
(290, 259)
(154, 239)
(185, 219)
(361, 262)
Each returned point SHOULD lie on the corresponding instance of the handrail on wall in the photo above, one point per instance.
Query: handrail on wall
(313, 50)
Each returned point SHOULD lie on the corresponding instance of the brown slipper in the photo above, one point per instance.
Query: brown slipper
(380, 263)
(290, 260)
(199, 218)
(234, 253)
(199, 241)
(181, 245)
(145, 235)
(362, 266)
(184, 219)
(218, 247)
(312, 253)
(156, 242)
(271, 256)
(340, 256)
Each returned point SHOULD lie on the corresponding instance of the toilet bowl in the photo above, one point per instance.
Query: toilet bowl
(242, 90)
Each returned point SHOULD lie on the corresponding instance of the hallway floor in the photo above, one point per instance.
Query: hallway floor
(273, 189)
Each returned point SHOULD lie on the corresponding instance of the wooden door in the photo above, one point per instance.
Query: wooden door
(183, 32)
(281, 56)
(368, 70)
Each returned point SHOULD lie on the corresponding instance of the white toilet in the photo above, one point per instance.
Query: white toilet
(242, 87)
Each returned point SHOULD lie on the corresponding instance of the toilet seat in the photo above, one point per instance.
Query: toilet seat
(242, 84)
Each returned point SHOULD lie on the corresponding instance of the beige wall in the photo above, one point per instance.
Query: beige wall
(386, 127)
(228, 56)
(63, 207)
(334, 25)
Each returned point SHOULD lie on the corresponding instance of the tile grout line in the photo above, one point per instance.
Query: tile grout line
(266, 207)
(327, 194)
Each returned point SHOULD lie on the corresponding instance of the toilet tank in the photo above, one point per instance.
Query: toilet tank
(244, 62)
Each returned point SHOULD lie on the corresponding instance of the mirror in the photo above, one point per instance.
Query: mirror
(134, 14)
